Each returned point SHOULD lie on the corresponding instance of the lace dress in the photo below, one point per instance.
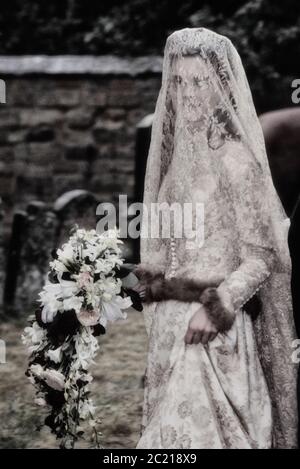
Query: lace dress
(207, 147)
(202, 396)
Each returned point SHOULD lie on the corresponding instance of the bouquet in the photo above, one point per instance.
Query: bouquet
(88, 286)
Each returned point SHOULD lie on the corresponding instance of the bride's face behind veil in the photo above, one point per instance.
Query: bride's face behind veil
(199, 99)
(193, 92)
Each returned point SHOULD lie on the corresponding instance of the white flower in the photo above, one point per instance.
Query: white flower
(109, 285)
(68, 287)
(86, 409)
(55, 355)
(53, 296)
(50, 299)
(37, 370)
(107, 296)
(33, 337)
(54, 379)
(58, 266)
(103, 265)
(112, 311)
(67, 254)
(63, 289)
(85, 268)
(85, 235)
(92, 296)
(50, 311)
(91, 251)
(73, 303)
(86, 346)
(111, 235)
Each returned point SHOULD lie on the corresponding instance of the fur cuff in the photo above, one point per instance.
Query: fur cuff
(219, 315)
(158, 288)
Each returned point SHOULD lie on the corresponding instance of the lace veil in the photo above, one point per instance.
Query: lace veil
(207, 147)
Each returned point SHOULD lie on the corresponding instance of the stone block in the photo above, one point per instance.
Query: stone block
(31, 117)
(80, 118)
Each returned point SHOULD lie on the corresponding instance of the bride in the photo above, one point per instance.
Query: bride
(217, 376)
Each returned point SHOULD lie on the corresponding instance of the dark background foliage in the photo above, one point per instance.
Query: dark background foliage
(266, 33)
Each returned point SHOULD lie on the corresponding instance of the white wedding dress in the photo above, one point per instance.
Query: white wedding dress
(207, 147)
(212, 396)
(198, 396)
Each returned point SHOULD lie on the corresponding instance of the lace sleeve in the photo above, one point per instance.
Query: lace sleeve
(257, 254)
(243, 283)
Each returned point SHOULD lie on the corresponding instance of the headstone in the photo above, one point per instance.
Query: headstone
(14, 258)
(77, 207)
(33, 239)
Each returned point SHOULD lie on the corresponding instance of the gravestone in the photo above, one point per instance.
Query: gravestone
(13, 259)
(33, 239)
(35, 233)
(77, 207)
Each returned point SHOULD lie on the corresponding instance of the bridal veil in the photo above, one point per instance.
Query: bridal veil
(207, 147)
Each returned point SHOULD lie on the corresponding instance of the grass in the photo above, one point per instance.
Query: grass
(117, 388)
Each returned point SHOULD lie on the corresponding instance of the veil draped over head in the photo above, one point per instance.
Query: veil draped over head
(207, 147)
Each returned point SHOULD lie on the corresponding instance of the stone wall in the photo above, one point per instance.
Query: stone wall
(70, 123)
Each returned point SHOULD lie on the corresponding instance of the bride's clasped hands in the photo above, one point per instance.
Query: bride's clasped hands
(200, 328)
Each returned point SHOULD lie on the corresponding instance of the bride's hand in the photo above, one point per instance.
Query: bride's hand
(140, 289)
(200, 329)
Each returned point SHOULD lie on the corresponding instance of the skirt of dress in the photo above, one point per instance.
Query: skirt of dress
(203, 397)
